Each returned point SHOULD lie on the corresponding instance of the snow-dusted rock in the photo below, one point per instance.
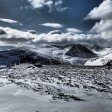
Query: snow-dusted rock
(80, 51)
(2, 32)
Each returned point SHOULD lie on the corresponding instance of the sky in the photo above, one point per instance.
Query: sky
(58, 21)
(70, 13)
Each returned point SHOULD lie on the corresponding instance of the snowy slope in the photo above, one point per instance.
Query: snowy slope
(59, 53)
(75, 54)
(104, 57)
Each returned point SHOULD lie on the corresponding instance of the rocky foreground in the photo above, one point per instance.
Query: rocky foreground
(60, 83)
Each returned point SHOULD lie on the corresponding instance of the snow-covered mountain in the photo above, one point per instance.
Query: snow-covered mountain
(24, 49)
(80, 51)
(16, 56)
(104, 57)
(45, 54)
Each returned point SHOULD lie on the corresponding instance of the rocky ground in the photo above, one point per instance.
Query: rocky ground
(61, 83)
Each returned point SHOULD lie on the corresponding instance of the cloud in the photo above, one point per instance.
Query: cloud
(104, 27)
(51, 4)
(53, 25)
(55, 32)
(9, 21)
(56, 37)
(73, 30)
(15, 36)
(2, 44)
(104, 13)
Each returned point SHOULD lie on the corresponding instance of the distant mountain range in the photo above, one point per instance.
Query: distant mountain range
(47, 54)
(76, 54)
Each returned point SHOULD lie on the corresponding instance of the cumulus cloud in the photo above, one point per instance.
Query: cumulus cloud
(51, 4)
(56, 37)
(73, 30)
(15, 36)
(104, 13)
(104, 27)
(53, 25)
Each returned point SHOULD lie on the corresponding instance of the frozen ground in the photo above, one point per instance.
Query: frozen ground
(25, 88)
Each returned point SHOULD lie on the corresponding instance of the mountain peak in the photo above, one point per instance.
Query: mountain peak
(78, 50)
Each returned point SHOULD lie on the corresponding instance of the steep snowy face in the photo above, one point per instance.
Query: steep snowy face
(105, 56)
(80, 51)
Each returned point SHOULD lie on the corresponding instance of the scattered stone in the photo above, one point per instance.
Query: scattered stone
(62, 96)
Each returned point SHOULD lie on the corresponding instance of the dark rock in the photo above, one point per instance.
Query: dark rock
(80, 51)
(32, 31)
(2, 32)
(109, 64)
(97, 48)
(17, 56)
(66, 97)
